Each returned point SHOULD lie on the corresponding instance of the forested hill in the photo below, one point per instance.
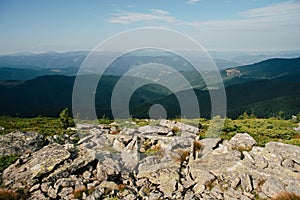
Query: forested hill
(265, 88)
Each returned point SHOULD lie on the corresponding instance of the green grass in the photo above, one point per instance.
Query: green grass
(263, 130)
(43, 125)
(5, 161)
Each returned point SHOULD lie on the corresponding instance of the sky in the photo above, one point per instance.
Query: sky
(219, 25)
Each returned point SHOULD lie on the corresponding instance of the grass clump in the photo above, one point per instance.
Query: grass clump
(8, 195)
(154, 150)
(286, 196)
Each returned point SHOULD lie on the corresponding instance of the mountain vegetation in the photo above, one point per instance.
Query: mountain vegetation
(265, 88)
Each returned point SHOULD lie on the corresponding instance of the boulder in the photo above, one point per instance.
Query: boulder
(19, 142)
(241, 142)
(37, 165)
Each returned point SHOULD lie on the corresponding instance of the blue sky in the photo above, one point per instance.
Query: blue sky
(222, 25)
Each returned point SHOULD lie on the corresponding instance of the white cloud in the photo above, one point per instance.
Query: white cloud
(282, 9)
(153, 15)
(192, 1)
(270, 27)
(275, 27)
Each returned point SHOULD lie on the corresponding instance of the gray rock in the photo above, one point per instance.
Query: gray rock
(217, 161)
(118, 145)
(184, 128)
(294, 187)
(209, 144)
(52, 192)
(242, 141)
(39, 163)
(246, 183)
(84, 157)
(19, 142)
(85, 126)
(155, 195)
(285, 150)
(34, 188)
(272, 187)
(130, 156)
(107, 166)
(217, 192)
(86, 175)
(37, 195)
(45, 186)
(65, 193)
(104, 165)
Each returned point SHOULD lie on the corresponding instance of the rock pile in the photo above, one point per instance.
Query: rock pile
(167, 161)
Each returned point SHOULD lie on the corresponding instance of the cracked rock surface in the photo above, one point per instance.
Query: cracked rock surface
(150, 163)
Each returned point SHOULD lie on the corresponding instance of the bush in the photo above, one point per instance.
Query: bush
(65, 119)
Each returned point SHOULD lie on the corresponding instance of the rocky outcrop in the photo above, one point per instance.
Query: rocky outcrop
(19, 142)
(166, 161)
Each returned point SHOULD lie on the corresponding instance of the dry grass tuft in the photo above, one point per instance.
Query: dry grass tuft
(8, 195)
(286, 196)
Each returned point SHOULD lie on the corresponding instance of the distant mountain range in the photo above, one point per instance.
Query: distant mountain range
(265, 87)
(26, 66)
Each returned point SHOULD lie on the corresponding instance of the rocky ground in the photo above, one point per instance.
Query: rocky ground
(166, 161)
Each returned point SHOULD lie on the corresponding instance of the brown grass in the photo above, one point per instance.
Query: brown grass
(79, 191)
(8, 195)
(175, 129)
(198, 146)
(121, 187)
(286, 196)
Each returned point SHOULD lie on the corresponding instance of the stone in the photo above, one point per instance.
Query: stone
(294, 187)
(246, 183)
(130, 156)
(230, 194)
(118, 145)
(20, 142)
(38, 164)
(202, 177)
(85, 126)
(65, 192)
(242, 141)
(109, 185)
(108, 166)
(84, 157)
(37, 195)
(64, 182)
(45, 186)
(217, 192)
(198, 188)
(285, 150)
(130, 197)
(34, 188)
(86, 175)
(104, 165)
(209, 144)
(167, 180)
(155, 195)
(52, 193)
(217, 160)
(272, 187)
